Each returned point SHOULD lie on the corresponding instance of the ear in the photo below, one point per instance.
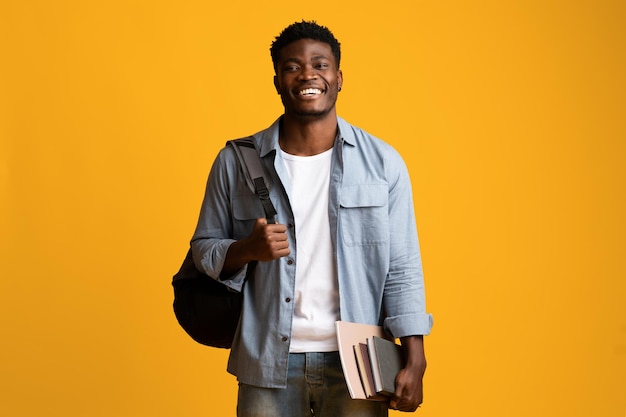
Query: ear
(339, 79)
(276, 84)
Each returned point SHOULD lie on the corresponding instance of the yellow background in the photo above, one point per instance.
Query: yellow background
(510, 115)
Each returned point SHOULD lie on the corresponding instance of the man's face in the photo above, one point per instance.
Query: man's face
(307, 78)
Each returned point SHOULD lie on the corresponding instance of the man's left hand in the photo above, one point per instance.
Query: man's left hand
(409, 391)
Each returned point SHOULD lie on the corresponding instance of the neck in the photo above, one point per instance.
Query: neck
(308, 136)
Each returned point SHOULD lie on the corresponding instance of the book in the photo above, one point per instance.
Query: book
(387, 360)
(349, 335)
(365, 371)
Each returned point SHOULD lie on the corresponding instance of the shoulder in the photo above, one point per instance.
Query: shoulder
(367, 144)
(265, 141)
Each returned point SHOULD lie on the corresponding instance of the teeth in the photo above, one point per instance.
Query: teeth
(310, 91)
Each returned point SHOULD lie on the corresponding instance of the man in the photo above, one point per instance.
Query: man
(344, 247)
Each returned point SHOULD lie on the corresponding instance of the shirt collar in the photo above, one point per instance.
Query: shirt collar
(268, 139)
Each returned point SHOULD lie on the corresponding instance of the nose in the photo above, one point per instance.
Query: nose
(307, 73)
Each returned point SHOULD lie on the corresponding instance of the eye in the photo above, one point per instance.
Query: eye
(322, 65)
(291, 68)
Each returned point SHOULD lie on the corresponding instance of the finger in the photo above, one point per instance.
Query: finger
(404, 405)
(278, 237)
(277, 228)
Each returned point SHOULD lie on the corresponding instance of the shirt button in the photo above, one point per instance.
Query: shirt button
(287, 299)
(290, 262)
(285, 338)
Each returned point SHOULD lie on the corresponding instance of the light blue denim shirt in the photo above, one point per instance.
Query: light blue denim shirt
(374, 236)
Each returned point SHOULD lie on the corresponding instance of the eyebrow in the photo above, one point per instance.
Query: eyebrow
(313, 58)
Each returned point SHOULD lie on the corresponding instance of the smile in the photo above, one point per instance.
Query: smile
(310, 92)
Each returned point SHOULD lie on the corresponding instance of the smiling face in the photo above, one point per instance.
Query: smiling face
(307, 79)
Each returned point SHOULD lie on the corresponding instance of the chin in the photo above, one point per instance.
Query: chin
(312, 113)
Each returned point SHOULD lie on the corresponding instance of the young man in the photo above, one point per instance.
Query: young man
(344, 247)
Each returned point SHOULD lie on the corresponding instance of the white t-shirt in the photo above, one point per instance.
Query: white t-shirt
(316, 291)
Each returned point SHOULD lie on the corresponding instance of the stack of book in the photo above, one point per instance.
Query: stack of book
(379, 361)
(370, 360)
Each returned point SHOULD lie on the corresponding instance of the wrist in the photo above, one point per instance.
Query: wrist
(236, 257)
(414, 353)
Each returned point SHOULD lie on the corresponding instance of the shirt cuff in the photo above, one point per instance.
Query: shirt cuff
(409, 325)
(212, 263)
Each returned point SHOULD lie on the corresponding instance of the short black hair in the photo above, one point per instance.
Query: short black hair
(304, 30)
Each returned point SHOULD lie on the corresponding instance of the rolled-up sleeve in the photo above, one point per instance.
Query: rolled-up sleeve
(214, 231)
(403, 298)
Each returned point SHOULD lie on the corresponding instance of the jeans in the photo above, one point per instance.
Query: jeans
(315, 387)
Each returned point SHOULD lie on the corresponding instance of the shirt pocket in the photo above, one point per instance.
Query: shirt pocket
(363, 214)
(246, 209)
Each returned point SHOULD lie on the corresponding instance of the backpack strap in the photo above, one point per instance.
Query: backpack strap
(256, 177)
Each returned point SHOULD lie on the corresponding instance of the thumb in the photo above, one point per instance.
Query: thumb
(262, 221)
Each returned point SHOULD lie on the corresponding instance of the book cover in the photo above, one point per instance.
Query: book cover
(387, 359)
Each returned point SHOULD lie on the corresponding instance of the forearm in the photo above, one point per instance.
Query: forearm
(237, 257)
(414, 353)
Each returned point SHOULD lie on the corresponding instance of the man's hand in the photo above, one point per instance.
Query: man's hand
(409, 392)
(266, 242)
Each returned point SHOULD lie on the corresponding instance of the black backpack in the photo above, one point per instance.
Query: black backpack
(206, 309)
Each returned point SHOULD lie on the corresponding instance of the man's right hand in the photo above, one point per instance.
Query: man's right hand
(266, 243)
